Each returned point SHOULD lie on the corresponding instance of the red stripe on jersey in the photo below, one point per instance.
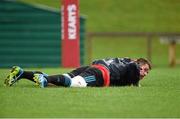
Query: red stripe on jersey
(105, 73)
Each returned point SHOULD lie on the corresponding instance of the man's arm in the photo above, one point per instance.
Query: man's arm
(137, 84)
(134, 74)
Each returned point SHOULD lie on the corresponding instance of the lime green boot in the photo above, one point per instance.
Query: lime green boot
(13, 76)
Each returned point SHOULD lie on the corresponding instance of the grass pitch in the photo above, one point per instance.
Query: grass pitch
(160, 92)
(158, 97)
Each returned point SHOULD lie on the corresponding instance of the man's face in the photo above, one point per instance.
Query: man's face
(144, 70)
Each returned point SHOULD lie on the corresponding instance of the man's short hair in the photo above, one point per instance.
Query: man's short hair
(142, 61)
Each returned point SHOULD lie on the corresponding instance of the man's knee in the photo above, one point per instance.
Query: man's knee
(78, 81)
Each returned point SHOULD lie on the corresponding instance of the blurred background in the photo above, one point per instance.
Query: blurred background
(30, 31)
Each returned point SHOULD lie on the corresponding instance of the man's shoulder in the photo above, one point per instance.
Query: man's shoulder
(133, 65)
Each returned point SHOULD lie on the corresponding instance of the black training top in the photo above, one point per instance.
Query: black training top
(123, 71)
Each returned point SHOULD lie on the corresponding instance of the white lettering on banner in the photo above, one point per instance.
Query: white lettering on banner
(72, 21)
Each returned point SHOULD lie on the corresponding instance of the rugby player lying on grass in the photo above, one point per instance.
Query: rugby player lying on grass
(103, 72)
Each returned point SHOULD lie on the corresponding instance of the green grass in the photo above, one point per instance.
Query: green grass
(158, 97)
(127, 15)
